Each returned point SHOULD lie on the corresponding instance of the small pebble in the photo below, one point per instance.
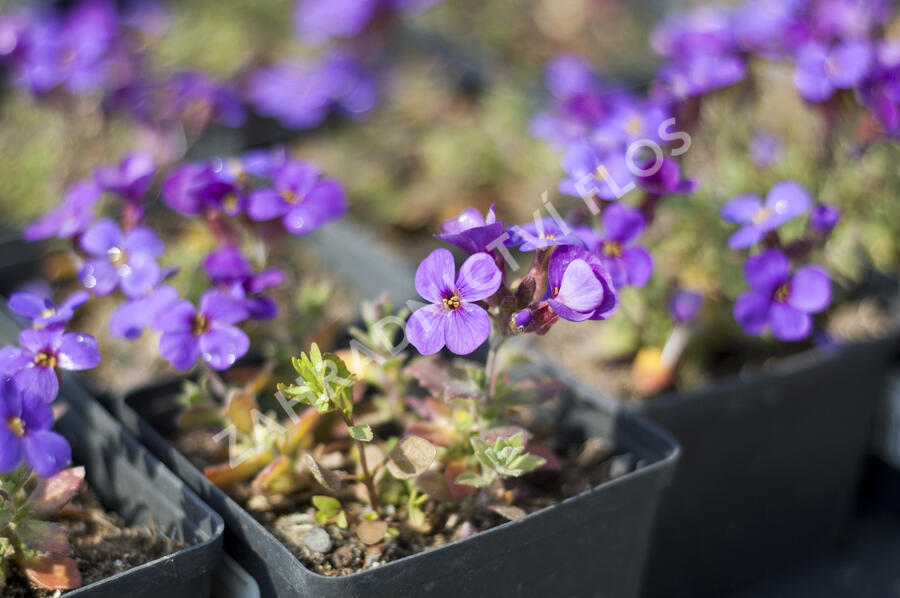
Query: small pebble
(317, 540)
(620, 465)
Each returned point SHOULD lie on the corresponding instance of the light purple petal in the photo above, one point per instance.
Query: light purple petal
(73, 302)
(219, 307)
(130, 318)
(425, 329)
(36, 414)
(38, 382)
(325, 202)
(479, 278)
(618, 272)
(38, 340)
(99, 276)
(639, 265)
(466, 329)
(266, 204)
(470, 218)
(101, 237)
(767, 270)
(745, 237)
(741, 209)
(47, 452)
(27, 305)
(182, 350)
(178, 319)
(139, 276)
(13, 359)
(751, 311)
(434, 277)
(785, 201)
(223, 345)
(810, 75)
(810, 290)
(78, 351)
(849, 63)
(143, 241)
(788, 323)
(579, 294)
(621, 224)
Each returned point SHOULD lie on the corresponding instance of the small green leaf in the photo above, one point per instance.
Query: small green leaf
(323, 475)
(341, 520)
(362, 433)
(471, 479)
(326, 504)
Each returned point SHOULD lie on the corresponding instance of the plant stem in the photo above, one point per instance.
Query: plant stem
(368, 478)
(493, 374)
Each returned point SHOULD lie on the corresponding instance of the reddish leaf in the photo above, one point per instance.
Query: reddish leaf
(53, 572)
(458, 491)
(53, 493)
(551, 461)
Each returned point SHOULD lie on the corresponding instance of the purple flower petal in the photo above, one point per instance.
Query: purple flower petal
(788, 323)
(143, 241)
(178, 319)
(36, 414)
(621, 224)
(810, 73)
(38, 382)
(101, 237)
(751, 311)
(39, 340)
(10, 399)
(78, 352)
(223, 345)
(785, 201)
(425, 329)
(47, 452)
(849, 63)
(139, 276)
(266, 204)
(180, 349)
(579, 293)
(741, 209)
(684, 305)
(13, 359)
(27, 305)
(130, 318)
(810, 290)
(467, 328)
(219, 307)
(11, 450)
(479, 278)
(766, 271)
(99, 276)
(639, 266)
(745, 237)
(325, 202)
(618, 271)
(434, 276)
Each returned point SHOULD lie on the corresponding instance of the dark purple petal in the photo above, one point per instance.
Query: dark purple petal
(751, 311)
(435, 276)
(181, 189)
(78, 351)
(788, 323)
(47, 452)
(265, 280)
(425, 329)
(262, 308)
(824, 218)
(130, 318)
(638, 265)
(741, 209)
(10, 400)
(466, 329)
(810, 290)
(621, 224)
(479, 278)
(223, 345)
(766, 271)
(181, 349)
(27, 305)
(36, 414)
(227, 265)
(101, 237)
(618, 271)
(219, 307)
(67, 309)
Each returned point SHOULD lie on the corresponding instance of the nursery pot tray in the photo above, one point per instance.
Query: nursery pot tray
(131, 482)
(593, 544)
(769, 468)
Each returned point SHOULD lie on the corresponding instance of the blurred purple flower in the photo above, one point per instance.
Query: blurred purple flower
(129, 179)
(454, 318)
(70, 218)
(579, 287)
(194, 188)
(33, 365)
(627, 264)
(847, 19)
(317, 22)
(772, 28)
(233, 274)
(780, 300)
(198, 99)
(134, 315)
(595, 174)
(207, 333)
(472, 232)
(823, 218)
(820, 71)
(765, 149)
(117, 259)
(665, 179)
(25, 433)
(684, 305)
(42, 311)
(785, 201)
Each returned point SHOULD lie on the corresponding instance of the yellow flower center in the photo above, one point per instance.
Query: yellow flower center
(612, 249)
(230, 202)
(199, 324)
(45, 359)
(547, 236)
(634, 126)
(601, 174)
(452, 303)
(17, 426)
(289, 196)
(46, 313)
(762, 215)
(781, 293)
(116, 256)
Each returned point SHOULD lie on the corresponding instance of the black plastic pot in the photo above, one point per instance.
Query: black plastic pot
(19, 261)
(131, 482)
(770, 466)
(593, 544)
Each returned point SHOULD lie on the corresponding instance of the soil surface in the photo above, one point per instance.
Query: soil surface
(102, 544)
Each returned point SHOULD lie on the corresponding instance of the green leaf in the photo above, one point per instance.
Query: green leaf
(471, 479)
(362, 433)
(323, 475)
(341, 520)
(326, 504)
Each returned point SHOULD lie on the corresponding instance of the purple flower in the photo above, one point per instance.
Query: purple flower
(25, 433)
(120, 260)
(33, 365)
(771, 28)
(664, 178)
(594, 173)
(454, 319)
(195, 188)
(819, 71)
(233, 273)
(42, 311)
(684, 305)
(70, 218)
(317, 22)
(780, 300)
(578, 286)
(472, 232)
(700, 74)
(130, 318)
(291, 92)
(765, 149)
(848, 19)
(129, 179)
(207, 333)
(824, 218)
(300, 197)
(198, 99)
(785, 201)
(627, 264)
(542, 234)
(707, 29)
